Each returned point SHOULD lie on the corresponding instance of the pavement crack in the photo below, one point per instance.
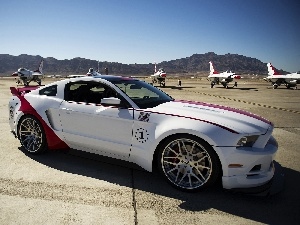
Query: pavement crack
(133, 198)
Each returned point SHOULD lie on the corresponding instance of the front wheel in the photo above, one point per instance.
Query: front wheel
(31, 135)
(188, 163)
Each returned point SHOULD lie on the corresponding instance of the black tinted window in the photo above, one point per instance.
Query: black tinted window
(49, 91)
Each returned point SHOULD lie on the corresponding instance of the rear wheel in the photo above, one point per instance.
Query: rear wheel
(188, 163)
(31, 135)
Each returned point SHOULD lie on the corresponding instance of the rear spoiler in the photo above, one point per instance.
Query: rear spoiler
(22, 91)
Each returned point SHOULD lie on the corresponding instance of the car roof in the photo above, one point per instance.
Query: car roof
(110, 78)
(114, 78)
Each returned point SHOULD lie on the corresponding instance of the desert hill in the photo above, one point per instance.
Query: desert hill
(197, 63)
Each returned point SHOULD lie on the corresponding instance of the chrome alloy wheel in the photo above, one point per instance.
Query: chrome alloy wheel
(186, 163)
(31, 134)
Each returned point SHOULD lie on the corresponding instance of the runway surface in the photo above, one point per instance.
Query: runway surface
(71, 188)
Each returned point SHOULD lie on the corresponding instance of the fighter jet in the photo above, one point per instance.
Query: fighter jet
(92, 72)
(221, 78)
(26, 76)
(159, 76)
(289, 80)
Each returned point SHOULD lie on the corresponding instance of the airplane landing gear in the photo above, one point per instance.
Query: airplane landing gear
(162, 81)
(235, 84)
(163, 84)
(275, 86)
(225, 85)
(19, 82)
(39, 82)
(212, 84)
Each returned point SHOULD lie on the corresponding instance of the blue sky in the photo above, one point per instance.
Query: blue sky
(148, 31)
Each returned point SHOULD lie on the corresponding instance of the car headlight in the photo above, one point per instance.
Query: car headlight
(247, 141)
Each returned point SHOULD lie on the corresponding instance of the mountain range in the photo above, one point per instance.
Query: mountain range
(195, 64)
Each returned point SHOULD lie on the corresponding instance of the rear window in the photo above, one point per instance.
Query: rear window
(49, 91)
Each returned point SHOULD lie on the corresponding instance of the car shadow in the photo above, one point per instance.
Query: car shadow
(282, 208)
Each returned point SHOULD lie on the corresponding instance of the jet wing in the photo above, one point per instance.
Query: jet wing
(37, 74)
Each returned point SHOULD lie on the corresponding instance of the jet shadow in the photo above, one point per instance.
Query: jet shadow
(175, 87)
(238, 88)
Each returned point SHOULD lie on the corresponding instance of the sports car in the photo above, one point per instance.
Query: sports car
(192, 144)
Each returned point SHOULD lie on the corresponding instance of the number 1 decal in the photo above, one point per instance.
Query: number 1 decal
(141, 135)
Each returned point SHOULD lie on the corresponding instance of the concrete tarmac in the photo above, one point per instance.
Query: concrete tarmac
(73, 188)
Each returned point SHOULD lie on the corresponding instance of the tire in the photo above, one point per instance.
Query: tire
(31, 135)
(188, 163)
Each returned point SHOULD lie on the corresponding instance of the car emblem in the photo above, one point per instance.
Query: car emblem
(144, 117)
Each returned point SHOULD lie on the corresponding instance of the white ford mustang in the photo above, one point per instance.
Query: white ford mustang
(193, 144)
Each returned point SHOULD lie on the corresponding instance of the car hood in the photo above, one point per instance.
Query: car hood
(235, 120)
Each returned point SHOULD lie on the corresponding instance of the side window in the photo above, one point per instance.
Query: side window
(88, 92)
(49, 91)
(76, 92)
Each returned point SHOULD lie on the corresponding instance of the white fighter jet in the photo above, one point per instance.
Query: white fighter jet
(95, 73)
(289, 80)
(159, 76)
(221, 78)
(92, 72)
(26, 76)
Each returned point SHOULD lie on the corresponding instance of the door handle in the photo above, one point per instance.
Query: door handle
(68, 111)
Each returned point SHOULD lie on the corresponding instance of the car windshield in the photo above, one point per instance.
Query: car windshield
(142, 94)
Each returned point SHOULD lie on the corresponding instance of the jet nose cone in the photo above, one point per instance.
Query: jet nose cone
(14, 74)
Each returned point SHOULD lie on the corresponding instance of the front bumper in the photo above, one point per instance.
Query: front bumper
(274, 186)
(248, 167)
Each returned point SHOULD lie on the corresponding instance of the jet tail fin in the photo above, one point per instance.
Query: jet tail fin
(212, 69)
(272, 70)
(40, 69)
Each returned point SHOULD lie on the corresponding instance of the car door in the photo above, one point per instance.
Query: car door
(92, 127)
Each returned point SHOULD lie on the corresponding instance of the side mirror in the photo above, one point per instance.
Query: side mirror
(111, 101)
